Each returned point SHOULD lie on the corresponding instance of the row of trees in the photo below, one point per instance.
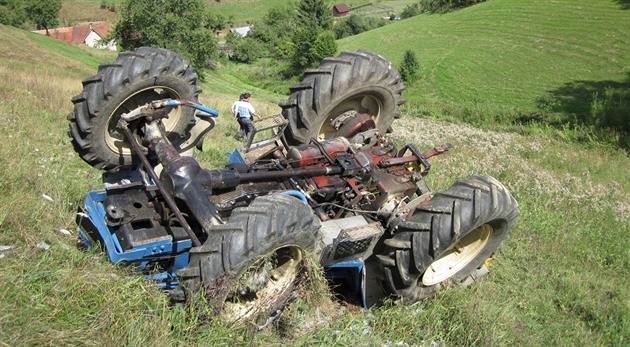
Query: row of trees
(298, 34)
(301, 35)
(42, 14)
(184, 26)
(436, 6)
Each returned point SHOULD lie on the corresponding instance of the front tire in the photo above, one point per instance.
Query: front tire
(133, 80)
(340, 88)
(447, 239)
(258, 255)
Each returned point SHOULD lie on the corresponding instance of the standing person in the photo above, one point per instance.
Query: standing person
(234, 108)
(246, 114)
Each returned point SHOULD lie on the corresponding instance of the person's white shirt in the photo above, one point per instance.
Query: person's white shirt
(243, 109)
(234, 108)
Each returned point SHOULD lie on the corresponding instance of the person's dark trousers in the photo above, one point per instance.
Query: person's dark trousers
(243, 129)
(249, 129)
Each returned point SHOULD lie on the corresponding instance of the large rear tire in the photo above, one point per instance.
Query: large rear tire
(134, 79)
(257, 257)
(352, 83)
(447, 239)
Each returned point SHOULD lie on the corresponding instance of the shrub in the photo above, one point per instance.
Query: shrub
(246, 50)
(409, 68)
(411, 10)
(610, 110)
(324, 46)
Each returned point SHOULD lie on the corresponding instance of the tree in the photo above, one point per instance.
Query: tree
(12, 12)
(179, 25)
(214, 21)
(314, 13)
(325, 45)
(244, 49)
(411, 10)
(409, 67)
(313, 18)
(274, 32)
(43, 13)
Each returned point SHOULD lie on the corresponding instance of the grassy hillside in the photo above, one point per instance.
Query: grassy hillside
(505, 54)
(560, 278)
(79, 11)
(239, 11)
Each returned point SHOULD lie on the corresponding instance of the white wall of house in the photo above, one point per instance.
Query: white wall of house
(92, 40)
(242, 31)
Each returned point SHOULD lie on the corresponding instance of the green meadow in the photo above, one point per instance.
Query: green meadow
(560, 279)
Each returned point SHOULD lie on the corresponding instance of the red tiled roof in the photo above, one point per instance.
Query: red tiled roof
(102, 29)
(77, 34)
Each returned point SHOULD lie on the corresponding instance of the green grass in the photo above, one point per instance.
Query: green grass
(509, 54)
(246, 11)
(559, 279)
(89, 57)
(81, 11)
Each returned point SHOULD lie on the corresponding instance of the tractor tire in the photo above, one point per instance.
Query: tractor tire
(132, 80)
(448, 239)
(363, 82)
(251, 264)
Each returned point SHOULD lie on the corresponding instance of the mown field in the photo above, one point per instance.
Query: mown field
(560, 279)
(511, 58)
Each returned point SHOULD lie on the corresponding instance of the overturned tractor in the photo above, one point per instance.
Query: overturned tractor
(326, 180)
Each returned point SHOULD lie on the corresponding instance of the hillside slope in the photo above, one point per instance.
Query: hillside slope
(512, 52)
(559, 279)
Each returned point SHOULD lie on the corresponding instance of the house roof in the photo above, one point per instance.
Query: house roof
(102, 28)
(77, 34)
(242, 31)
(341, 8)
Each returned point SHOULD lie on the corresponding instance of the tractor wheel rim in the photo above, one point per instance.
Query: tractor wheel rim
(361, 103)
(458, 256)
(115, 138)
(286, 266)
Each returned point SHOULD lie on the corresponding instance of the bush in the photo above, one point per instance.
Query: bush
(611, 109)
(409, 68)
(274, 32)
(411, 10)
(324, 46)
(246, 50)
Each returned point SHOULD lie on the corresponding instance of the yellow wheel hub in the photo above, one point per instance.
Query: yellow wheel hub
(115, 140)
(457, 256)
(285, 265)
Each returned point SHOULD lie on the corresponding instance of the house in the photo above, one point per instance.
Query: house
(340, 10)
(83, 35)
(242, 31)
